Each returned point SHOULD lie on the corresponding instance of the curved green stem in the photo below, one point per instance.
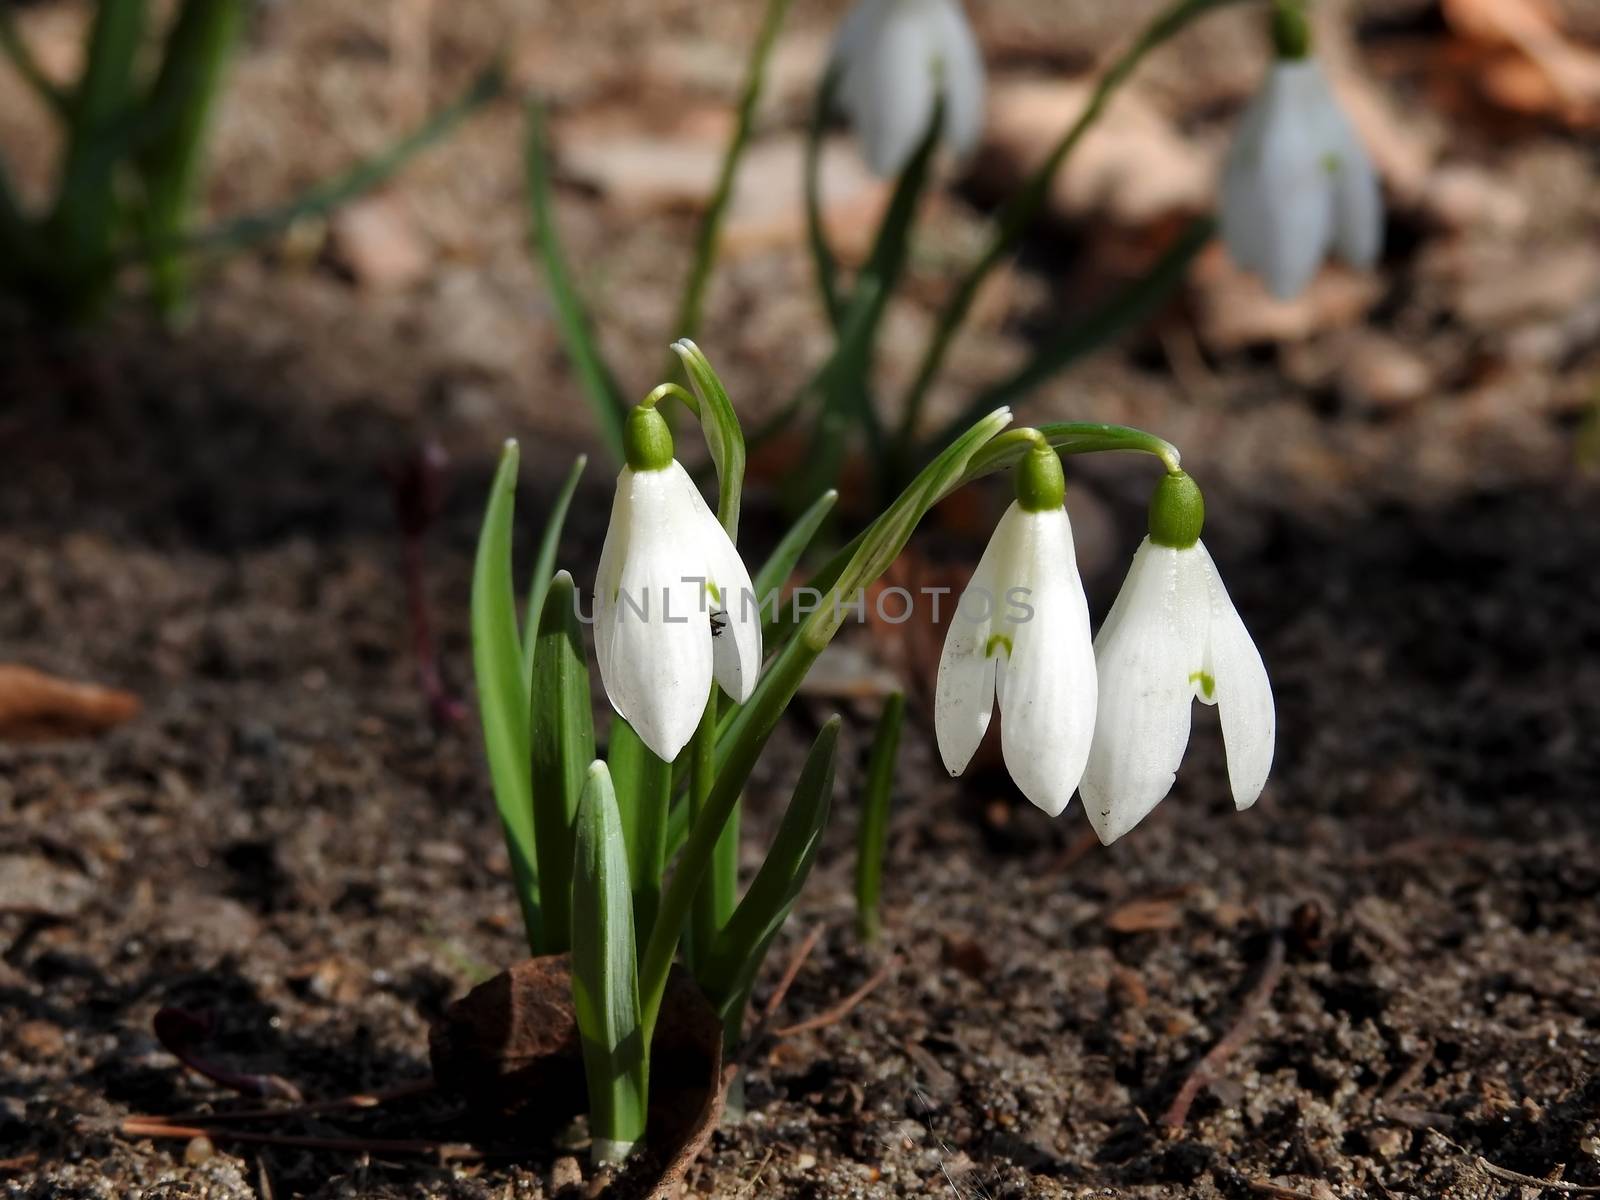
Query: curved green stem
(1067, 437)
(1021, 209)
(692, 305)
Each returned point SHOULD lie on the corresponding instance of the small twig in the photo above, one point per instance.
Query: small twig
(1209, 1067)
(840, 1010)
(1507, 1175)
(179, 1030)
(23, 1162)
(418, 486)
(791, 972)
(420, 1087)
(447, 1151)
(744, 1189)
(1412, 1072)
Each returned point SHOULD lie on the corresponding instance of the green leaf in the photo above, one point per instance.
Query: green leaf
(561, 749)
(199, 47)
(1129, 307)
(544, 563)
(737, 952)
(822, 256)
(737, 751)
(365, 175)
(780, 564)
(723, 434)
(644, 795)
(503, 690)
(692, 303)
(599, 384)
(844, 382)
(874, 831)
(81, 226)
(890, 532)
(605, 982)
(1024, 205)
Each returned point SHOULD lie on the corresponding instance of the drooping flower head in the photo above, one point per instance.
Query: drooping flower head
(1172, 637)
(895, 59)
(1020, 636)
(673, 606)
(1297, 183)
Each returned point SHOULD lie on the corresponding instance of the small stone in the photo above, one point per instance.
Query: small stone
(1378, 372)
(377, 242)
(565, 1172)
(39, 1040)
(1387, 1142)
(804, 1161)
(199, 1151)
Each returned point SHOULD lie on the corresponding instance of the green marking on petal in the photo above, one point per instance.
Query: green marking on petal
(716, 596)
(1208, 685)
(997, 641)
(1332, 163)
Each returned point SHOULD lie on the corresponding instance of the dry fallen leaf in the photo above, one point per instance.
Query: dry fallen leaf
(1145, 916)
(34, 705)
(1528, 63)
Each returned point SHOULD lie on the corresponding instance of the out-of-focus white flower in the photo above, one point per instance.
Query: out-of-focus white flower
(1020, 635)
(1297, 183)
(1173, 636)
(894, 59)
(673, 604)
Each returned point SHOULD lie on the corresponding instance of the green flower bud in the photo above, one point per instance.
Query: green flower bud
(1291, 29)
(1177, 512)
(1040, 484)
(646, 439)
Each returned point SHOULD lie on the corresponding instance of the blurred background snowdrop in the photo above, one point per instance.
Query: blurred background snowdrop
(895, 61)
(1297, 183)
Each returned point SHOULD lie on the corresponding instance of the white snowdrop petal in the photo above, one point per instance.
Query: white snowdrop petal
(1046, 689)
(608, 576)
(962, 76)
(963, 695)
(1243, 694)
(1146, 660)
(736, 646)
(656, 662)
(1278, 203)
(896, 90)
(1358, 204)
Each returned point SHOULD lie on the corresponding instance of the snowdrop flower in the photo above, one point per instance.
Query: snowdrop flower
(673, 604)
(1297, 181)
(1172, 637)
(894, 58)
(1020, 635)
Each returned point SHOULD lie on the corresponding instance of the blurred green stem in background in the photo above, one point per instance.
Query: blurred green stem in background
(692, 304)
(1020, 211)
(874, 831)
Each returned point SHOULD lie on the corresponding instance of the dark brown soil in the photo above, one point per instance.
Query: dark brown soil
(283, 839)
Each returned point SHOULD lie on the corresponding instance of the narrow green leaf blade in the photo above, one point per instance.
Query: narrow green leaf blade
(177, 114)
(644, 794)
(724, 436)
(736, 953)
(544, 562)
(823, 259)
(365, 175)
(598, 382)
(874, 831)
(605, 980)
(1131, 306)
(691, 305)
(780, 564)
(561, 748)
(503, 691)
